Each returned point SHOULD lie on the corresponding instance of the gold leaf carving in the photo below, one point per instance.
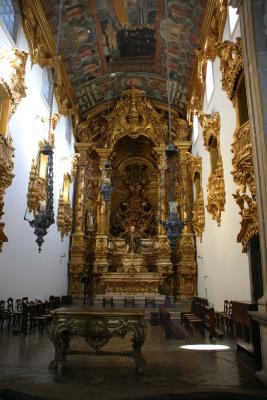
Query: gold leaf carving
(243, 175)
(12, 77)
(216, 189)
(42, 49)
(230, 55)
(195, 167)
(64, 217)
(6, 176)
(134, 115)
(36, 189)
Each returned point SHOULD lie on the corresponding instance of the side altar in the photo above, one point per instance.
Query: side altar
(120, 244)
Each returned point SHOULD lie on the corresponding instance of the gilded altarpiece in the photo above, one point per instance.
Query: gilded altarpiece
(121, 245)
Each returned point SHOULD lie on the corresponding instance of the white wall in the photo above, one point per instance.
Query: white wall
(223, 270)
(23, 271)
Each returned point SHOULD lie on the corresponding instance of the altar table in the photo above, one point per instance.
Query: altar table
(97, 326)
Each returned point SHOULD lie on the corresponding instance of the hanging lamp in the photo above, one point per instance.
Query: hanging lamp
(44, 213)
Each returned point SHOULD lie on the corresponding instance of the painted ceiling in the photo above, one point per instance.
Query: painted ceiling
(110, 45)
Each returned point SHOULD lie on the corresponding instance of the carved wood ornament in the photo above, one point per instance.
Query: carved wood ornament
(12, 88)
(243, 173)
(195, 167)
(216, 189)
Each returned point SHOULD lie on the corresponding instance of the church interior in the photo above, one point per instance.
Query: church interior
(133, 199)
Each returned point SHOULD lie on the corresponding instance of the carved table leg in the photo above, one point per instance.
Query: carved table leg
(138, 340)
(60, 341)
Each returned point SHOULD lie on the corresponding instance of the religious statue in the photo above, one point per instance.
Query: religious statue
(133, 240)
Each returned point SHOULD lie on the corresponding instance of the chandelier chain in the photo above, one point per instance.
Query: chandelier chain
(168, 71)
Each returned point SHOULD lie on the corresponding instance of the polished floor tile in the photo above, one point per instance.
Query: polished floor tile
(24, 367)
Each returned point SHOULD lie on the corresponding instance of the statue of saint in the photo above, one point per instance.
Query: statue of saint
(132, 239)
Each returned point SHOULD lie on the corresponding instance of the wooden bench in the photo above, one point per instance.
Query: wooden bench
(202, 317)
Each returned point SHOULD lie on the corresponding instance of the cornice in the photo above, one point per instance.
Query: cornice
(211, 33)
(42, 48)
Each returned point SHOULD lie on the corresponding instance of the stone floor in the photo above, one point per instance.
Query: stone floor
(170, 370)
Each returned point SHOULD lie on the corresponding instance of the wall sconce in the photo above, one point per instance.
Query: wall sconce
(40, 193)
(64, 214)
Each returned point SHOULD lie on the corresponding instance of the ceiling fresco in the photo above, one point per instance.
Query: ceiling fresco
(127, 38)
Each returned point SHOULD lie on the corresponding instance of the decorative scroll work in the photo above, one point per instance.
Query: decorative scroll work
(97, 327)
(195, 167)
(243, 174)
(230, 55)
(216, 189)
(12, 76)
(134, 115)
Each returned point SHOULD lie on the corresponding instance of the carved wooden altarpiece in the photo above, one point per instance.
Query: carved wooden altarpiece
(122, 246)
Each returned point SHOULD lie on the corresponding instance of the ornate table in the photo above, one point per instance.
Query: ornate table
(97, 326)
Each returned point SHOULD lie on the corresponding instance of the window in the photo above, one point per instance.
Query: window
(68, 129)
(242, 101)
(47, 85)
(10, 17)
(209, 80)
(233, 17)
(195, 128)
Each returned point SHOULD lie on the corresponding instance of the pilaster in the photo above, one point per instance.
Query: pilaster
(254, 48)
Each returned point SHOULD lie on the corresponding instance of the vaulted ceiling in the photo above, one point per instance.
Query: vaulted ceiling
(110, 45)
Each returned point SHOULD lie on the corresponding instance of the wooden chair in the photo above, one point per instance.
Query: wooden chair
(25, 315)
(225, 318)
(4, 315)
(16, 326)
(220, 316)
(37, 316)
